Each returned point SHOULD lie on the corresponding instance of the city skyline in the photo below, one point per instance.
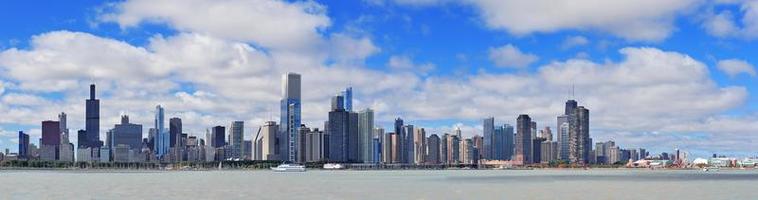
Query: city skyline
(698, 100)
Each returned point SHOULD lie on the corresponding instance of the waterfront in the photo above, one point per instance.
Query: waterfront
(401, 184)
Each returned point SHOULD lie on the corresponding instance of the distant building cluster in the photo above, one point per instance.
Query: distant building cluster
(348, 136)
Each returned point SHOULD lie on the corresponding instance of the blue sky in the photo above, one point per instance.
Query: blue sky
(679, 74)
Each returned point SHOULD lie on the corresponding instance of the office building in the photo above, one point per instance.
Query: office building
(50, 141)
(366, 131)
(236, 138)
(523, 142)
(344, 137)
(314, 145)
(290, 116)
(433, 149)
(127, 134)
(23, 145)
(265, 145)
(579, 141)
(489, 150)
(92, 123)
(419, 146)
(162, 141)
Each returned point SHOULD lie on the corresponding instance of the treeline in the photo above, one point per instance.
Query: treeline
(247, 164)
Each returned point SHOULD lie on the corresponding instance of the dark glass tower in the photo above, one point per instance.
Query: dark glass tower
(524, 139)
(570, 106)
(92, 122)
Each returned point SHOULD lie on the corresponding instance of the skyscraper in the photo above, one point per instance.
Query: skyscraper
(400, 140)
(290, 116)
(50, 141)
(579, 139)
(563, 137)
(348, 95)
(92, 123)
(489, 150)
(162, 142)
(419, 146)
(23, 145)
(508, 142)
(265, 146)
(523, 139)
(174, 131)
(236, 138)
(218, 133)
(128, 134)
(433, 149)
(409, 151)
(366, 133)
(344, 137)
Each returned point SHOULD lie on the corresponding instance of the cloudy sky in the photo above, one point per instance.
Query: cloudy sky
(658, 74)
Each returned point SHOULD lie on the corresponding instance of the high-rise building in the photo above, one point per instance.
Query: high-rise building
(23, 145)
(236, 138)
(290, 116)
(489, 150)
(534, 129)
(50, 141)
(162, 142)
(549, 151)
(508, 142)
(344, 137)
(174, 131)
(537, 150)
(348, 98)
(408, 142)
(401, 142)
(387, 148)
(64, 128)
(378, 150)
(92, 123)
(443, 148)
(433, 149)
(265, 144)
(563, 137)
(218, 133)
(366, 132)
(396, 147)
(579, 141)
(314, 145)
(419, 146)
(127, 134)
(523, 148)
(546, 133)
(570, 106)
(453, 149)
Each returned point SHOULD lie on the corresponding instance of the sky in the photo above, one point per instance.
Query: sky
(655, 74)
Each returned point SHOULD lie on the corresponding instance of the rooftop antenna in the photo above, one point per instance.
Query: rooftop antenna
(572, 92)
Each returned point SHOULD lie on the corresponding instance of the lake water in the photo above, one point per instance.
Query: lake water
(442, 184)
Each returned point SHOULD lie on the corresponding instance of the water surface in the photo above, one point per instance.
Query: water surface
(442, 184)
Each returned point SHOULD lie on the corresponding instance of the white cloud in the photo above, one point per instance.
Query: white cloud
(269, 23)
(574, 41)
(351, 49)
(734, 67)
(511, 56)
(723, 23)
(406, 63)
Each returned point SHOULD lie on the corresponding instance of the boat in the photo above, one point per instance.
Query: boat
(708, 169)
(333, 166)
(289, 168)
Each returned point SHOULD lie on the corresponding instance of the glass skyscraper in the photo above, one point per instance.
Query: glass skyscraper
(92, 125)
(290, 116)
(162, 137)
(488, 129)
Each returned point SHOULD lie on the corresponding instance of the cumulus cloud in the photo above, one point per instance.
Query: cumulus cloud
(269, 23)
(401, 62)
(646, 20)
(511, 56)
(722, 22)
(734, 67)
(574, 41)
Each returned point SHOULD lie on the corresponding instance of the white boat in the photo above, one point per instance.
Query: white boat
(708, 169)
(289, 168)
(333, 166)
